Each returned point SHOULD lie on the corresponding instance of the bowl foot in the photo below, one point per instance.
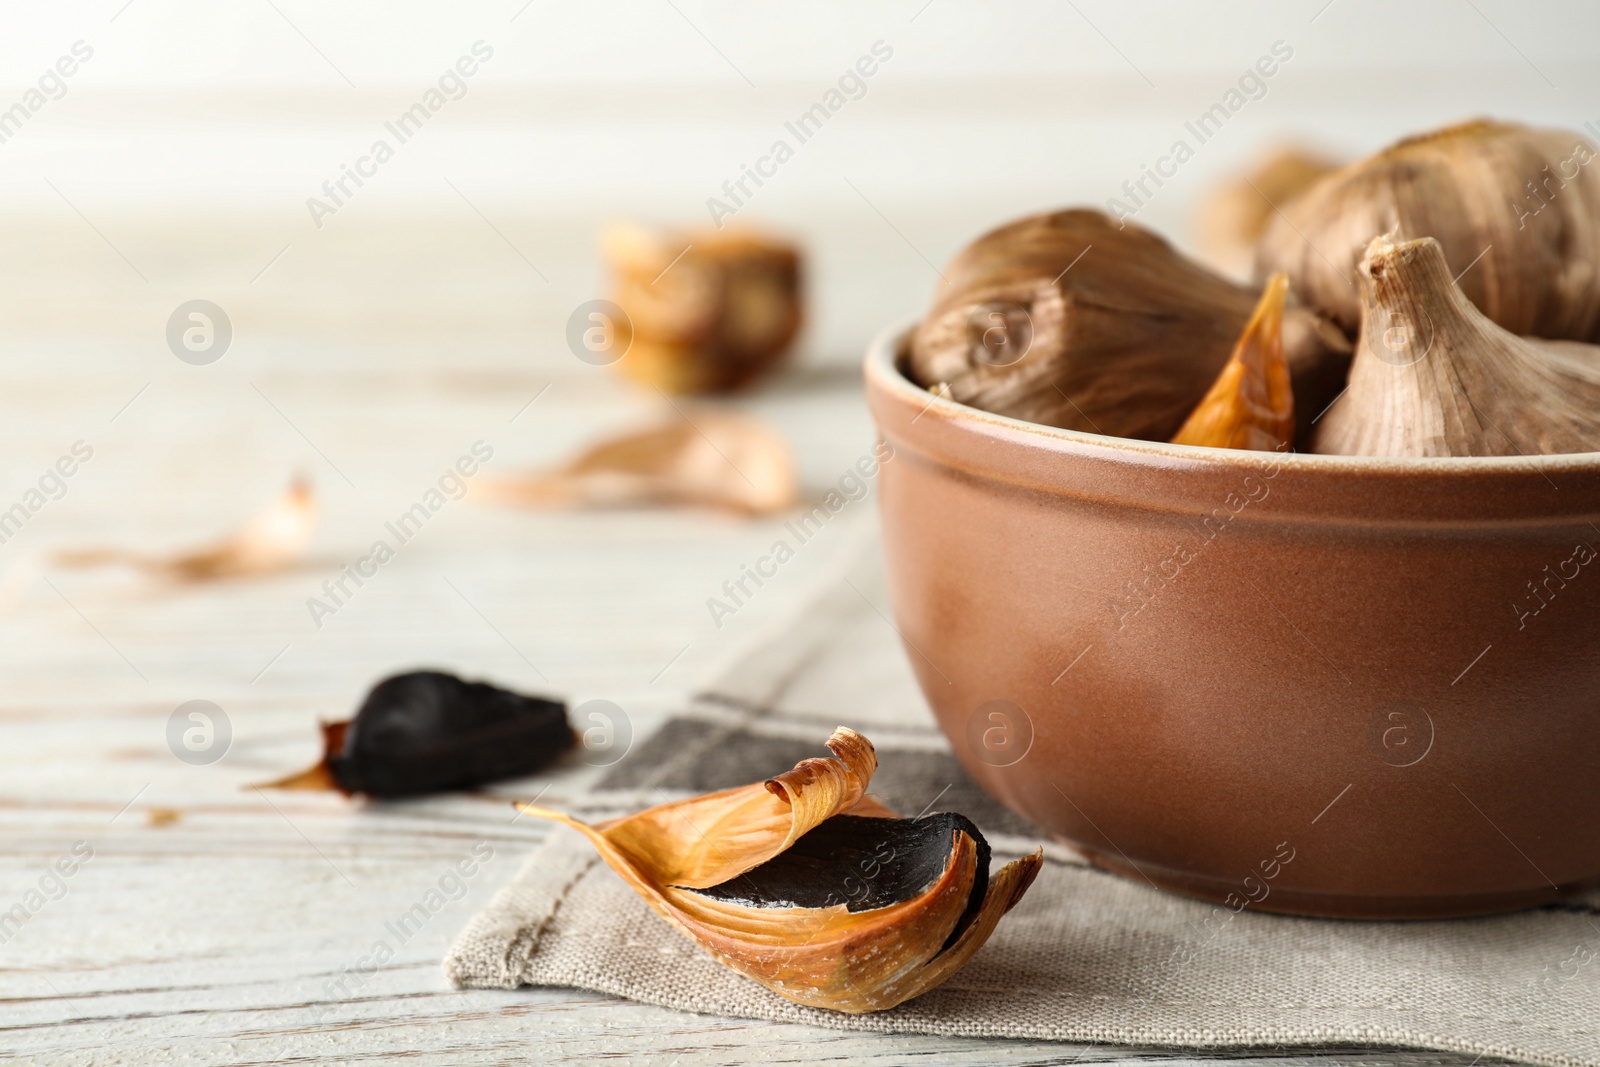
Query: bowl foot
(1285, 901)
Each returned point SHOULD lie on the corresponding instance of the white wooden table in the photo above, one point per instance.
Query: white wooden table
(213, 924)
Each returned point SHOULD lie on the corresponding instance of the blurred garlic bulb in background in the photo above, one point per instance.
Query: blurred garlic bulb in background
(1235, 215)
(708, 311)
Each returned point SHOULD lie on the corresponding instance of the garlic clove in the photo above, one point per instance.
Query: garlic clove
(712, 459)
(1251, 404)
(832, 957)
(274, 539)
(917, 903)
(426, 732)
(1518, 206)
(1069, 320)
(809, 887)
(1433, 376)
(708, 311)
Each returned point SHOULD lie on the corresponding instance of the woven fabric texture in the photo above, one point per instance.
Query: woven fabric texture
(1087, 955)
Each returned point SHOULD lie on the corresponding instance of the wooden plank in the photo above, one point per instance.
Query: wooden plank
(214, 924)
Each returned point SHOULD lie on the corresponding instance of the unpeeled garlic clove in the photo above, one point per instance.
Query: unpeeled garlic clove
(1069, 320)
(1433, 376)
(809, 887)
(708, 311)
(275, 538)
(713, 459)
(1518, 206)
(1251, 404)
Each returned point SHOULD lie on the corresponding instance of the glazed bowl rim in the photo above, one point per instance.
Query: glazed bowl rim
(882, 368)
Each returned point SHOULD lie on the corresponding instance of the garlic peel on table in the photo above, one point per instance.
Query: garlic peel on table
(275, 538)
(808, 886)
(1433, 376)
(705, 458)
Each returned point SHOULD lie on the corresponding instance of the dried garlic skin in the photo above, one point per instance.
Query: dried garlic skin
(709, 311)
(1526, 200)
(1069, 320)
(713, 459)
(1433, 376)
(1251, 405)
(273, 539)
(719, 868)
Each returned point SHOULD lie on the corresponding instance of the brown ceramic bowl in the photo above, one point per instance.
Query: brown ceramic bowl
(1340, 686)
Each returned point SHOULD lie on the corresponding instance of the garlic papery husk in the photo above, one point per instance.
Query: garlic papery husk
(1515, 209)
(1069, 320)
(703, 458)
(809, 887)
(1432, 376)
(274, 539)
(1250, 405)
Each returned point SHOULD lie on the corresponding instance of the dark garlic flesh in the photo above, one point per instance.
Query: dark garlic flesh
(431, 732)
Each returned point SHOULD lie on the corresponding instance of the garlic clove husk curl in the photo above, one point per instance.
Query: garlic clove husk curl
(1518, 206)
(1433, 376)
(1069, 320)
(274, 539)
(709, 839)
(1251, 404)
(809, 887)
(711, 459)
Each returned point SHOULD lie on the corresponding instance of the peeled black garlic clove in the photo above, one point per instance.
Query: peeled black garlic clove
(709, 311)
(1068, 320)
(1251, 404)
(1516, 211)
(430, 732)
(713, 459)
(813, 889)
(1433, 376)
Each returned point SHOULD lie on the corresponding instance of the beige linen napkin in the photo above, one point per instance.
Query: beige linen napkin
(1086, 956)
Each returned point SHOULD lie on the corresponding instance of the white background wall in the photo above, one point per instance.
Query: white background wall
(200, 129)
